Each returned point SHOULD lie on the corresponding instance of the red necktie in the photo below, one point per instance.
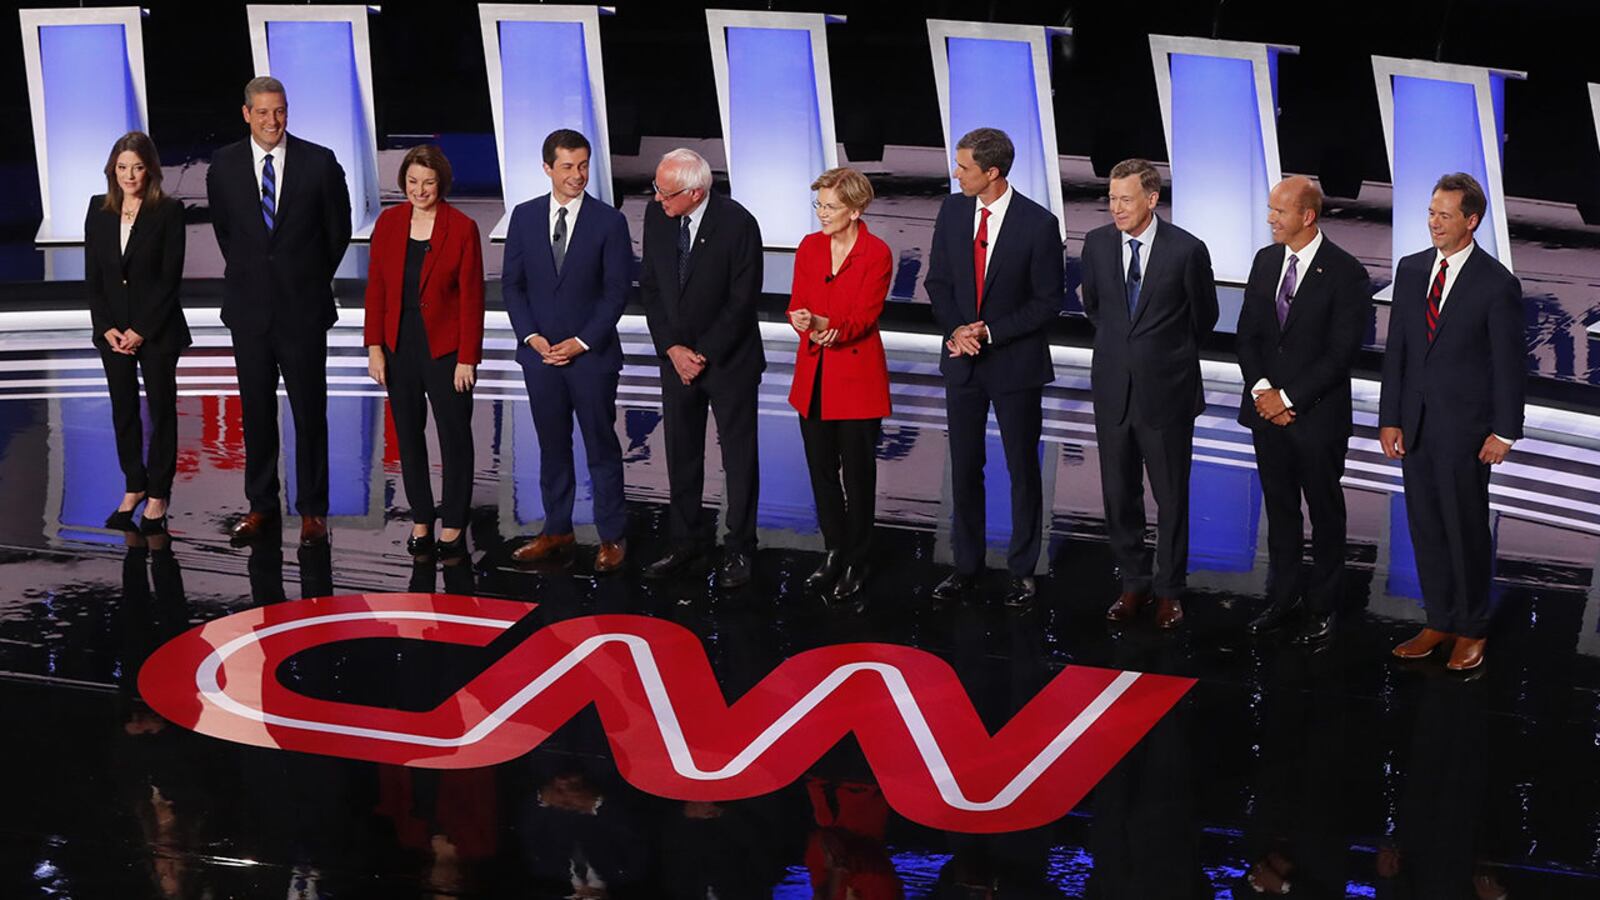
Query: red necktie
(980, 253)
(1436, 294)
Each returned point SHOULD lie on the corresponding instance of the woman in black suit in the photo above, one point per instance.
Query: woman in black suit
(133, 263)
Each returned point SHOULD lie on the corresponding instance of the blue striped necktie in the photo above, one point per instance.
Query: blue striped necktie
(269, 193)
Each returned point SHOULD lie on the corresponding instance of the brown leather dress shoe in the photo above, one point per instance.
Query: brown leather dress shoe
(1467, 655)
(610, 557)
(543, 547)
(313, 530)
(254, 526)
(1169, 613)
(1425, 642)
(1127, 606)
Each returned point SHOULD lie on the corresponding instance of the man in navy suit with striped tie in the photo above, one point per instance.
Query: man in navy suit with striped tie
(1451, 406)
(565, 282)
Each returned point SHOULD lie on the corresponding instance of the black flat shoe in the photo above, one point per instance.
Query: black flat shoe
(455, 548)
(734, 571)
(668, 565)
(122, 520)
(1318, 627)
(1022, 591)
(1277, 615)
(850, 583)
(149, 526)
(420, 545)
(955, 586)
(826, 573)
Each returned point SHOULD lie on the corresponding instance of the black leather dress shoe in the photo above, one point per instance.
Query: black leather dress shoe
(1022, 591)
(420, 544)
(827, 572)
(955, 586)
(1277, 614)
(668, 565)
(849, 583)
(734, 571)
(1318, 627)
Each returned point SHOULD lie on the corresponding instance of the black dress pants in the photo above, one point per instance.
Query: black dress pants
(301, 357)
(683, 411)
(1127, 453)
(150, 473)
(415, 380)
(847, 447)
(1447, 506)
(1021, 419)
(1293, 464)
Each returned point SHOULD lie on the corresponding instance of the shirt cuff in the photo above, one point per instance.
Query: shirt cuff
(1287, 403)
(1504, 441)
(527, 340)
(581, 343)
(1261, 385)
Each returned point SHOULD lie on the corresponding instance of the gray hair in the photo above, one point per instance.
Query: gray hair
(689, 169)
(262, 84)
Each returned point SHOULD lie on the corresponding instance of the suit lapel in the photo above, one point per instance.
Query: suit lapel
(575, 237)
(995, 258)
(1155, 270)
(441, 228)
(1312, 285)
(141, 224)
(1460, 292)
(708, 225)
(286, 197)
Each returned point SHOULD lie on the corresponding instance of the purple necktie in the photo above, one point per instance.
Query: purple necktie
(1286, 290)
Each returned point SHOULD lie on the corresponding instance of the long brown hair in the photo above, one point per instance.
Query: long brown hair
(145, 149)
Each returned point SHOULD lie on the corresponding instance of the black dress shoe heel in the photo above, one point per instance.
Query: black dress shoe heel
(149, 526)
(850, 583)
(955, 586)
(1022, 591)
(420, 544)
(122, 520)
(826, 573)
(454, 548)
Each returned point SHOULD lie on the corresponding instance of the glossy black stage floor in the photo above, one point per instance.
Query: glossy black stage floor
(411, 718)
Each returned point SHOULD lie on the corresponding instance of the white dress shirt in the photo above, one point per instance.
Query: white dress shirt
(126, 232)
(997, 215)
(695, 217)
(1145, 239)
(1303, 258)
(572, 207)
(277, 153)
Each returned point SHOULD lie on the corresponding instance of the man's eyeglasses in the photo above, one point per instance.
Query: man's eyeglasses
(667, 195)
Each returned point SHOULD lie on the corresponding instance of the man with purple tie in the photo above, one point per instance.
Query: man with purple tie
(1306, 306)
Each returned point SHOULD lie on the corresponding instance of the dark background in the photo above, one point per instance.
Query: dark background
(429, 69)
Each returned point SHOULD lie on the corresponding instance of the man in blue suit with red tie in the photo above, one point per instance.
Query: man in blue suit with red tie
(1453, 381)
(565, 283)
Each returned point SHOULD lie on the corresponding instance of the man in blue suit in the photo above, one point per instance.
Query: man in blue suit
(1451, 406)
(995, 281)
(565, 283)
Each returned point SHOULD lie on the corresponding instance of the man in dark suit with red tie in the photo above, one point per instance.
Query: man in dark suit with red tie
(1148, 289)
(1451, 406)
(1306, 306)
(281, 212)
(995, 280)
(568, 262)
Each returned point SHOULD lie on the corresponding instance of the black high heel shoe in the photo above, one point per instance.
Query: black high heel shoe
(454, 548)
(420, 544)
(122, 520)
(149, 526)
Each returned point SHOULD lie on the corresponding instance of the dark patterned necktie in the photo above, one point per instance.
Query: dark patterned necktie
(683, 251)
(1135, 276)
(1435, 297)
(1286, 289)
(269, 193)
(558, 243)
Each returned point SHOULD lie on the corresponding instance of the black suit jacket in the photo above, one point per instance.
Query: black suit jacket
(1310, 356)
(1023, 285)
(1156, 354)
(1470, 380)
(285, 277)
(714, 314)
(136, 288)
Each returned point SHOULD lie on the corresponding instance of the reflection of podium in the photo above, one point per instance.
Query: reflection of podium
(776, 99)
(85, 71)
(1440, 118)
(544, 74)
(1219, 104)
(998, 76)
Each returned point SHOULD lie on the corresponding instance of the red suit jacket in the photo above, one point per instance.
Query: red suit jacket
(855, 373)
(451, 284)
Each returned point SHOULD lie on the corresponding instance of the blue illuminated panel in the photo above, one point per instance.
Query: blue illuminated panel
(91, 475)
(89, 102)
(991, 85)
(352, 453)
(1402, 580)
(527, 499)
(1436, 130)
(785, 502)
(544, 68)
(316, 62)
(1224, 517)
(775, 129)
(1219, 167)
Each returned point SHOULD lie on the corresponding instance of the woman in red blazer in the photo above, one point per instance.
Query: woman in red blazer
(424, 336)
(841, 378)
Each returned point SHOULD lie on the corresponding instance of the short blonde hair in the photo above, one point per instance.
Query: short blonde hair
(851, 187)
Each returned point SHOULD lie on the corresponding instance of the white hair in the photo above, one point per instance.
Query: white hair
(689, 169)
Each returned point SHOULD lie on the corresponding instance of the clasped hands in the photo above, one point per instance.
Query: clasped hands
(555, 354)
(1270, 406)
(1393, 442)
(125, 341)
(967, 340)
(814, 327)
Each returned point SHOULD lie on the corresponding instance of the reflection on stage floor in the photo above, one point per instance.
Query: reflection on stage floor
(1333, 769)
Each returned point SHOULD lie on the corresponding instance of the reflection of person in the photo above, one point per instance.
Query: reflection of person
(699, 282)
(424, 337)
(1148, 289)
(133, 244)
(841, 377)
(995, 280)
(1450, 407)
(281, 212)
(1305, 308)
(568, 262)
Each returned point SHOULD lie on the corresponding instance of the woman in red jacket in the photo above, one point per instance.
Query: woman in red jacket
(424, 337)
(841, 377)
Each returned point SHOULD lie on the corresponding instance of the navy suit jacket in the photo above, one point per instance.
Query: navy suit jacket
(1469, 382)
(586, 299)
(1155, 354)
(1310, 355)
(1023, 286)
